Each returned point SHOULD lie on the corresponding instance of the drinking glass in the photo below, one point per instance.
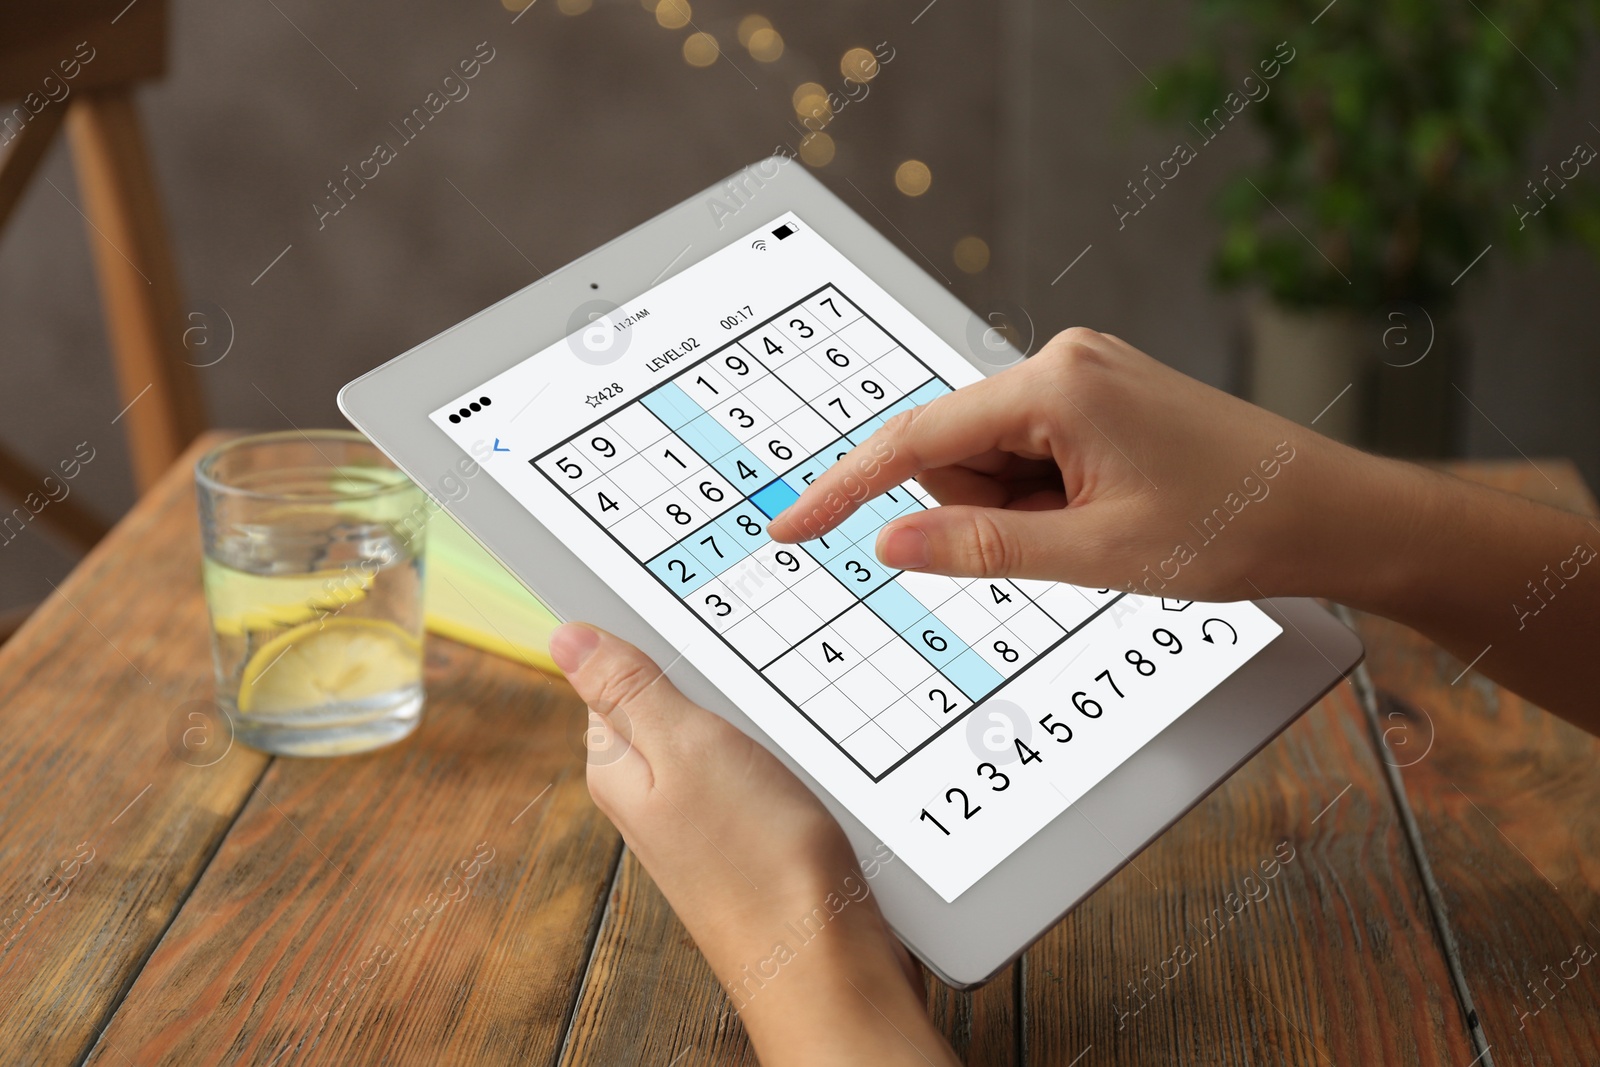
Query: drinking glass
(313, 545)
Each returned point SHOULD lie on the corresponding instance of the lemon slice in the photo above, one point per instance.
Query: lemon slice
(241, 602)
(333, 662)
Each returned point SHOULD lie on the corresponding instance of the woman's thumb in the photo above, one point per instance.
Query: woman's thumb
(974, 542)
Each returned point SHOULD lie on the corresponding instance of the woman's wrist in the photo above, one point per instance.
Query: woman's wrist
(841, 997)
(1363, 531)
(1402, 539)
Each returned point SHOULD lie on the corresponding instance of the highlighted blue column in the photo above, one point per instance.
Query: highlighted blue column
(672, 406)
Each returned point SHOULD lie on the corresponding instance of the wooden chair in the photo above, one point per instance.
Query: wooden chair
(76, 65)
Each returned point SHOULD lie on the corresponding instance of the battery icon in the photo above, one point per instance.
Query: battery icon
(783, 231)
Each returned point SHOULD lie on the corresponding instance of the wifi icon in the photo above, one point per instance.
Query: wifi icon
(759, 245)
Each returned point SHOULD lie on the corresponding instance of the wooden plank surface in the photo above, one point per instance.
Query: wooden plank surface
(103, 827)
(1332, 960)
(650, 997)
(1505, 797)
(431, 902)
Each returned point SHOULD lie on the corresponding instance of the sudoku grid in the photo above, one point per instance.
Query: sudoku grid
(685, 477)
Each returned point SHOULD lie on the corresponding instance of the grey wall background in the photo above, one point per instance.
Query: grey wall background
(584, 125)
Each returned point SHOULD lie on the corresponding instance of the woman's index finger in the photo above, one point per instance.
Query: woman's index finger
(944, 431)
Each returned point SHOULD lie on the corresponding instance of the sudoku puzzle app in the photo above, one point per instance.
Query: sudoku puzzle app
(686, 476)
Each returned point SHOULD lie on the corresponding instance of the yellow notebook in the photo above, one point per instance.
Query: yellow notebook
(469, 597)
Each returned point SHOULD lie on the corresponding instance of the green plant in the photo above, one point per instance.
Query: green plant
(1397, 140)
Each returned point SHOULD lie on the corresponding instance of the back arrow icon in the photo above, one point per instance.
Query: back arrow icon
(1211, 640)
(497, 447)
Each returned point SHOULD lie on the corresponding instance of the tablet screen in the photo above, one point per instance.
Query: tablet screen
(954, 718)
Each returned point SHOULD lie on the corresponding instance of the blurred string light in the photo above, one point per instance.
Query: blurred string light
(817, 150)
(913, 177)
(569, 7)
(859, 65)
(700, 50)
(972, 254)
(811, 101)
(748, 27)
(673, 14)
(766, 45)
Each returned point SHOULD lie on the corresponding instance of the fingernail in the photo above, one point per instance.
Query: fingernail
(905, 547)
(571, 645)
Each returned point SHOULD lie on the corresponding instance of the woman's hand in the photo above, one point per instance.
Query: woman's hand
(1094, 464)
(761, 875)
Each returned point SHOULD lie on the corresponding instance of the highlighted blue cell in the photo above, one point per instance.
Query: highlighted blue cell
(858, 571)
(836, 451)
(972, 674)
(905, 403)
(807, 472)
(708, 437)
(929, 390)
(894, 503)
(714, 548)
(672, 406)
(773, 498)
(938, 645)
(896, 607)
(742, 469)
(861, 529)
(680, 571)
(827, 546)
(744, 526)
(867, 429)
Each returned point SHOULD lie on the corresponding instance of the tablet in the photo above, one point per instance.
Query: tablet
(619, 433)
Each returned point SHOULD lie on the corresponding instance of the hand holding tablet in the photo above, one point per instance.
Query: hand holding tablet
(760, 874)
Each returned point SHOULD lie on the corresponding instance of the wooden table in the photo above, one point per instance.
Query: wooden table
(169, 903)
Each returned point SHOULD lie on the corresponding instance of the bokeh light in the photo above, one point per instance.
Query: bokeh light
(765, 44)
(573, 7)
(749, 25)
(700, 50)
(913, 177)
(972, 254)
(811, 99)
(859, 65)
(673, 14)
(817, 150)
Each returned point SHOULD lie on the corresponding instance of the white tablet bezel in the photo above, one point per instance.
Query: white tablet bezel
(965, 942)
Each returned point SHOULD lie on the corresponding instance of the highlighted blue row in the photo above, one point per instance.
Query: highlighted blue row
(807, 472)
(711, 550)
